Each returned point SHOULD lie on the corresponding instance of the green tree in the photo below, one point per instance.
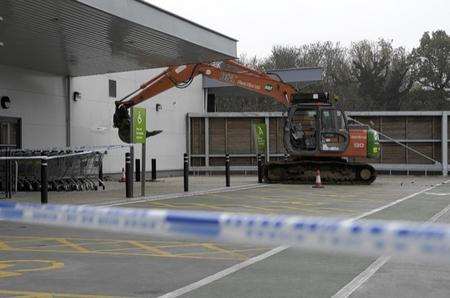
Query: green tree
(382, 73)
(432, 61)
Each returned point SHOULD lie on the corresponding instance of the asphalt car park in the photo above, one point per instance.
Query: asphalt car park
(41, 261)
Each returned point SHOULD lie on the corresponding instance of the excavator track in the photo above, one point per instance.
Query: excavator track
(331, 172)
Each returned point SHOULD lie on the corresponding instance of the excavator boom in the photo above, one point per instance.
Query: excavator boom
(227, 71)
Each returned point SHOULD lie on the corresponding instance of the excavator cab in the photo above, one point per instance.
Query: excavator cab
(314, 127)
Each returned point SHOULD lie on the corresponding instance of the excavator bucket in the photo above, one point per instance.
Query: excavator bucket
(122, 121)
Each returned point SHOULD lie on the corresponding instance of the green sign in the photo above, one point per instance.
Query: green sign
(261, 136)
(139, 125)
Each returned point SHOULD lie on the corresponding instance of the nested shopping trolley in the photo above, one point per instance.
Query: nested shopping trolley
(68, 170)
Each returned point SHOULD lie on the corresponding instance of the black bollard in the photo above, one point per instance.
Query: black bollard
(186, 172)
(44, 181)
(137, 169)
(128, 176)
(100, 169)
(227, 170)
(153, 169)
(260, 168)
(100, 173)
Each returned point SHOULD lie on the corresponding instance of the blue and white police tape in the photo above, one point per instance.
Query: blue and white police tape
(405, 239)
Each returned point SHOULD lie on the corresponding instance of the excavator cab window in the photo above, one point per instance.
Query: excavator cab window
(340, 119)
(303, 129)
(327, 120)
(333, 135)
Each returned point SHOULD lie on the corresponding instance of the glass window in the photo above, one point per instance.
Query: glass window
(112, 88)
(327, 120)
(306, 118)
(340, 120)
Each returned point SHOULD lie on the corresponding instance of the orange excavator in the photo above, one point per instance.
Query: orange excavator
(316, 134)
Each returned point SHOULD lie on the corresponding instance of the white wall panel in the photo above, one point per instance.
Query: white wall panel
(39, 99)
(92, 117)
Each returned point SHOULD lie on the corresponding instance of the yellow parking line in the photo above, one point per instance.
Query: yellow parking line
(148, 254)
(4, 246)
(113, 249)
(72, 245)
(60, 244)
(222, 250)
(179, 245)
(151, 249)
(53, 265)
(7, 268)
(29, 294)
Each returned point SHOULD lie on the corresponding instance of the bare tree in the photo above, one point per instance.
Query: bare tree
(281, 57)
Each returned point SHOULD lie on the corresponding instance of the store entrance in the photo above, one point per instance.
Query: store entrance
(10, 138)
(10, 132)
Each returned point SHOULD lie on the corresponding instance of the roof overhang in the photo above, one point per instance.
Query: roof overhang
(85, 37)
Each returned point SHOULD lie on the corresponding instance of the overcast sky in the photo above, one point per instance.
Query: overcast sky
(258, 25)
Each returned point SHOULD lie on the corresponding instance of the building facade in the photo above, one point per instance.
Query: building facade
(36, 116)
(60, 77)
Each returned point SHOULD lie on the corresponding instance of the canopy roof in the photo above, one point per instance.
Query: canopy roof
(85, 37)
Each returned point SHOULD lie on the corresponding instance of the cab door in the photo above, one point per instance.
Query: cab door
(333, 133)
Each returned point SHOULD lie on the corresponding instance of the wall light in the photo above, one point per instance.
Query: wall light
(158, 107)
(5, 102)
(76, 96)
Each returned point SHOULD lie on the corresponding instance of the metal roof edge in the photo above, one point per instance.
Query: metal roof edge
(186, 20)
(125, 9)
(295, 68)
(395, 113)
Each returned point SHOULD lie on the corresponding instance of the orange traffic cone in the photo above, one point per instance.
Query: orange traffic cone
(123, 178)
(318, 180)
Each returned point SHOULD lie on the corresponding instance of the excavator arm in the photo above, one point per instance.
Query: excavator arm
(227, 71)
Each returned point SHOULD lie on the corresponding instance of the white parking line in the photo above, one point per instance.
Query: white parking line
(365, 275)
(361, 278)
(221, 274)
(179, 195)
(398, 201)
(438, 194)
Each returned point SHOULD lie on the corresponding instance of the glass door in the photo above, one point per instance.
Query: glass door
(10, 138)
(9, 133)
(334, 135)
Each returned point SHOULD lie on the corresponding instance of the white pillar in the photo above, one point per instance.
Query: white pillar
(266, 119)
(188, 135)
(444, 151)
(207, 142)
